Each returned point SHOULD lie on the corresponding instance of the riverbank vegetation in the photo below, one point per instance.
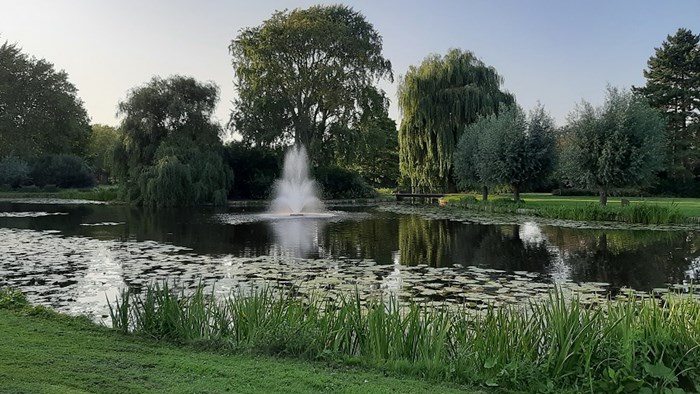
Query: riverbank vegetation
(47, 352)
(554, 344)
(657, 210)
(459, 131)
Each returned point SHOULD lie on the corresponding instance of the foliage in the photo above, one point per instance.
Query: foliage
(673, 77)
(372, 151)
(40, 112)
(507, 149)
(11, 298)
(14, 172)
(617, 145)
(56, 353)
(556, 343)
(437, 100)
(256, 170)
(306, 75)
(103, 140)
(340, 183)
(64, 171)
(635, 213)
(169, 152)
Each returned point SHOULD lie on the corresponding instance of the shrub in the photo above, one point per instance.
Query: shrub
(14, 172)
(50, 188)
(255, 169)
(339, 183)
(62, 171)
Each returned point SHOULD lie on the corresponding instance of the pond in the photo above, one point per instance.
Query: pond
(74, 256)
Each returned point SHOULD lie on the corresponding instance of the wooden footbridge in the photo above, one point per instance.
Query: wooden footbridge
(401, 196)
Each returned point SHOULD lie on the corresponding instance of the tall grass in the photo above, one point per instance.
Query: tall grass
(557, 344)
(634, 213)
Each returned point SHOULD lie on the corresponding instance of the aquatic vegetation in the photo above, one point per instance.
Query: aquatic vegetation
(557, 343)
(635, 213)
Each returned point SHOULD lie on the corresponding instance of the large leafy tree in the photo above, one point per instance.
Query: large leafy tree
(169, 152)
(614, 146)
(437, 100)
(305, 76)
(40, 112)
(673, 86)
(372, 150)
(507, 149)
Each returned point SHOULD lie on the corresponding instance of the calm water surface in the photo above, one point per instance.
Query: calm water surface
(73, 256)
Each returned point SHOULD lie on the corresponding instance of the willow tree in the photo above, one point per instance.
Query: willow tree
(304, 75)
(169, 152)
(438, 99)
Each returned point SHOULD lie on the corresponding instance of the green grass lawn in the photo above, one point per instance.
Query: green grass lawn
(53, 353)
(686, 206)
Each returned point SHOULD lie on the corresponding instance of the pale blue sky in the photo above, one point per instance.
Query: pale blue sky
(555, 52)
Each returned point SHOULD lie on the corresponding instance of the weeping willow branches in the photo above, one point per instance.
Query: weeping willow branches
(437, 100)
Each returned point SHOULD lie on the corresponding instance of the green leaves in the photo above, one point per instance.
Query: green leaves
(673, 77)
(306, 73)
(438, 99)
(617, 145)
(507, 149)
(169, 152)
(40, 111)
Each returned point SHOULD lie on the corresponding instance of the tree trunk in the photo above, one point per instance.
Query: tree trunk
(603, 197)
(484, 193)
(516, 194)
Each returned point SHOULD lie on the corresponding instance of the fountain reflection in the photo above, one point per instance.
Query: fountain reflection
(296, 237)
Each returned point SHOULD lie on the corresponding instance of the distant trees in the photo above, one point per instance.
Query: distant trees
(673, 87)
(40, 112)
(506, 149)
(438, 99)
(99, 152)
(307, 76)
(169, 152)
(619, 144)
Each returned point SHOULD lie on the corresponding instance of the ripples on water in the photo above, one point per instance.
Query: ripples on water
(74, 258)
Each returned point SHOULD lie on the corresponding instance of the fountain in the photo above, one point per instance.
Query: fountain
(295, 192)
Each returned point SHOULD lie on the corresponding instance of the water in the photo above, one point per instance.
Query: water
(295, 193)
(74, 256)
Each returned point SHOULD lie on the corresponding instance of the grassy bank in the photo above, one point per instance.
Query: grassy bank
(556, 345)
(647, 210)
(100, 193)
(45, 352)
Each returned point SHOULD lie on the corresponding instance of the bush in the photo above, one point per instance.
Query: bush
(14, 172)
(29, 189)
(339, 183)
(50, 188)
(255, 170)
(63, 171)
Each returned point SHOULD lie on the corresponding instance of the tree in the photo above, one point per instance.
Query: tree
(507, 148)
(40, 112)
(438, 99)
(305, 75)
(169, 152)
(100, 148)
(372, 150)
(673, 86)
(617, 145)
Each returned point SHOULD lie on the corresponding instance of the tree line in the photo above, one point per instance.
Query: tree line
(310, 76)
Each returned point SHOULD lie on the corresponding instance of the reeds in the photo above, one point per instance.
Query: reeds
(555, 344)
(635, 213)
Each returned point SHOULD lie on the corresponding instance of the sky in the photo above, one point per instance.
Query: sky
(553, 52)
